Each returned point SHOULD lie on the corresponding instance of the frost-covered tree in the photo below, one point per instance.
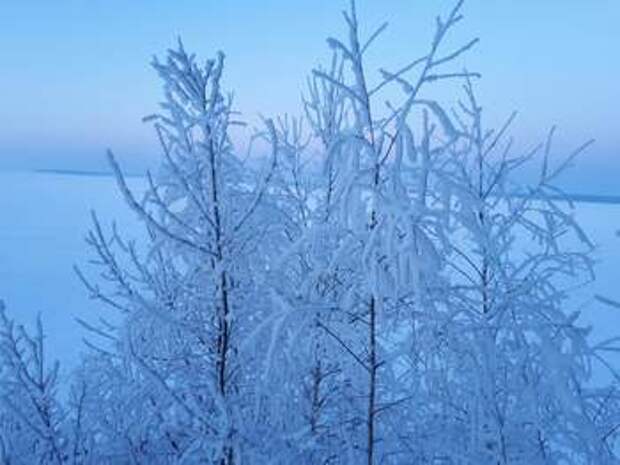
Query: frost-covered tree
(448, 327)
(191, 292)
(31, 417)
(382, 237)
(514, 362)
(383, 291)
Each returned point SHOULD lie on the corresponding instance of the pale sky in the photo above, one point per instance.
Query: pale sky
(75, 75)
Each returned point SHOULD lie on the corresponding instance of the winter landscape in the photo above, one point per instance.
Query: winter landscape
(384, 272)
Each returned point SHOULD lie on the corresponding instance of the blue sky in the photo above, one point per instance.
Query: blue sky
(75, 76)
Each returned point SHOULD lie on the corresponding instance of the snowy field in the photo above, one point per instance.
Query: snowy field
(44, 222)
(45, 217)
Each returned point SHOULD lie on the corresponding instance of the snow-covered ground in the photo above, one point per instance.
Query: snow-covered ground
(44, 218)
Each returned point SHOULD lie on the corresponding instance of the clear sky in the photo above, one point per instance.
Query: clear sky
(75, 78)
